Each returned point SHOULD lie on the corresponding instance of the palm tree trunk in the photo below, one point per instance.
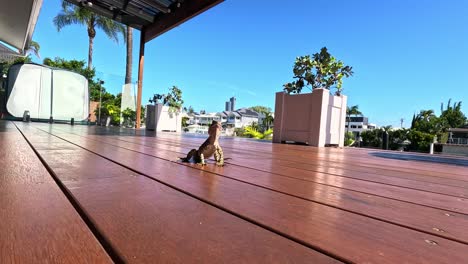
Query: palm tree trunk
(128, 69)
(91, 36)
(90, 53)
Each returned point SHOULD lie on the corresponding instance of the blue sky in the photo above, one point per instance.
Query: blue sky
(406, 55)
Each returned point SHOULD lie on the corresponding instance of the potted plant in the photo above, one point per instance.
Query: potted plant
(316, 118)
(165, 116)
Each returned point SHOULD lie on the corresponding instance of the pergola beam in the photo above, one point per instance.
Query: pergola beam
(186, 11)
(141, 62)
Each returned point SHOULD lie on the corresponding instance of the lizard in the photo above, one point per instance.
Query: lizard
(209, 148)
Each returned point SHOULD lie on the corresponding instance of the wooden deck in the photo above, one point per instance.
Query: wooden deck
(96, 195)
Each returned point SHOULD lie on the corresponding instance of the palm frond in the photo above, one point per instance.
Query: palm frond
(111, 28)
(65, 19)
(34, 48)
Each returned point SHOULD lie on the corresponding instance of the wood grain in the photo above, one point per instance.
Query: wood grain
(38, 224)
(354, 237)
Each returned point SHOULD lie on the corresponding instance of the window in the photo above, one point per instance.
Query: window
(353, 126)
(359, 126)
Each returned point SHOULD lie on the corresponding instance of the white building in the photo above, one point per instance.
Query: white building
(357, 124)
(239, 118)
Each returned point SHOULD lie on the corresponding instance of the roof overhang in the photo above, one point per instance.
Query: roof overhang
(153, 17)
(17, 22)
(7, 54)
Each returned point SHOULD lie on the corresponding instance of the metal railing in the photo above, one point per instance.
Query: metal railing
(458, 141)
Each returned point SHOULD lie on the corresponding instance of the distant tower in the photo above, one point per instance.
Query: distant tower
(233, 103)
(228, 106)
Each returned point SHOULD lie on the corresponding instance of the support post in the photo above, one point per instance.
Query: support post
(140, 77)
(385, 140)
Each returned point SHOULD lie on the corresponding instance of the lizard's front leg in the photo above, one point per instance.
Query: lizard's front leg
(202, 160)
(219, 156)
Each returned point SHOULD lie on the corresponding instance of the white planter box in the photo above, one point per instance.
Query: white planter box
(159, 118)
(316, 119)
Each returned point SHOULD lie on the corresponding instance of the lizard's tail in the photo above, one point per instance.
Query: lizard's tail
(189, 155)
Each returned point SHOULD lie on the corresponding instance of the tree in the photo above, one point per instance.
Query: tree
(129, 117)
(190, 110)
(452, 116)
(353, 110)
(268, 121)
(426, 121)
(72, 15)
(78, 66)
(319, 71)
(260, 109)
(4, 66)
(173, 99)
(33, 48)
(129, 57)
(185, 120)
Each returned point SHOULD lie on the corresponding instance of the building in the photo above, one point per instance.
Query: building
(239, 118)
(357, 124)
(457, 143)
(230, 105)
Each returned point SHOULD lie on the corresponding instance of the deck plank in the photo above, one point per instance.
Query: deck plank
(38, 223)
(402, 213)
(148, 222)
(308, 172)
(432, 199)
(317, 225)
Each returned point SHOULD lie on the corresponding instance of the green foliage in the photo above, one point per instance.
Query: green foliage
(4, 66)
(319, 71)
(452, 116)
(252, 132)
(353, 110)
(349, 139)
(173, 99)
(77, 15)
(255, 126)
(239, 131)
(129, 117)
(267, 121)
(420, 141)
(33, 48)
(426, 121)
(443, 138)
(185, 121)
(261, 109)
(79, 66)
(372, 138)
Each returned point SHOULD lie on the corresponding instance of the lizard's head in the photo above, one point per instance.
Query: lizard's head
(215, 129)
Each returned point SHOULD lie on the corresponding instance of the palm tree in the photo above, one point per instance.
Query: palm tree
(128, 65)
(33, 48)
(426, 114)
(72, 15)
(353, 110)
(267, 120)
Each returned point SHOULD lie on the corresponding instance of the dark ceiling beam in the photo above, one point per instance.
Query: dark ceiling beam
(123, 5)
(135, 21)
(187, 10)
(157, 5)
